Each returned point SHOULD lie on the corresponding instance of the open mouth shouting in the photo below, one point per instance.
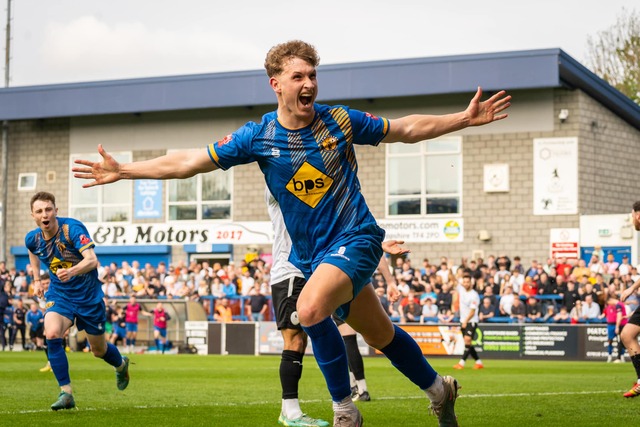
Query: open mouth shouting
(306, 100)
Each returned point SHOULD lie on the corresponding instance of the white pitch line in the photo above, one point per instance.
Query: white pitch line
(214, 404)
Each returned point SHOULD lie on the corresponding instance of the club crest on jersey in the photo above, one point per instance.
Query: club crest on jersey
(49, 304)
(225, 140)
(84, 239)
(329, 143)
(309, 184)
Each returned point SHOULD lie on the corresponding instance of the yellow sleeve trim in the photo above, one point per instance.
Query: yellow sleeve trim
(214, 156)
(87, 246)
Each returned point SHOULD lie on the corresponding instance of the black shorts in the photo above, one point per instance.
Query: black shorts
(284, 296)
(36, 333)
(635, 317)
(470, 330)
(338, 320)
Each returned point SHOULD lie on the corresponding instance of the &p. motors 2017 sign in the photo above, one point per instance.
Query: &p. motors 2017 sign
(243, 233)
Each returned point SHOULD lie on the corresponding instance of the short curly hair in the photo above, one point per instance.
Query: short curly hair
(280, 53)
(43, 196)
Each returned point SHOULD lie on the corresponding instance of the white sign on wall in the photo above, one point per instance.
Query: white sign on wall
(259, 232)
(555, 176)
(423, 230)
(189, 233)
(564, 242)
(496, 178)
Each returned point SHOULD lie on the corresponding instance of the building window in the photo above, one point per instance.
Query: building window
(102, 203)
(424, 178)
(27, 181)
(202, 197)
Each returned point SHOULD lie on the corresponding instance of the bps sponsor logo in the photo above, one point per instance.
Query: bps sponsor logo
(56, 264)
(309, 184)
(371, 116)
(84, 239)
(452, 229)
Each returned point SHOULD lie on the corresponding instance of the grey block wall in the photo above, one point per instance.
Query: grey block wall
(39, 146)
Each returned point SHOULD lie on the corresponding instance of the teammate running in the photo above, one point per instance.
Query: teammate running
(75, 294)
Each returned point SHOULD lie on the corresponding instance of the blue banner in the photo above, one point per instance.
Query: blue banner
(147, 199)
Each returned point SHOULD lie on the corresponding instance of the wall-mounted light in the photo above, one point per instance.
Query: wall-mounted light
(626, 231)
(484, 235)
(563, 115)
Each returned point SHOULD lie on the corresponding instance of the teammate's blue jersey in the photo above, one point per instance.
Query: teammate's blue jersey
(34, 318)
(311, 172)
(63, 251)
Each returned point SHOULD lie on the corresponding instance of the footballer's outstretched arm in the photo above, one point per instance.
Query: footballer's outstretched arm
(419, 127)
(177, 164)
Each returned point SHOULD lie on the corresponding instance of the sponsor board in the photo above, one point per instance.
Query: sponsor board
(423, 230)
(244, 233)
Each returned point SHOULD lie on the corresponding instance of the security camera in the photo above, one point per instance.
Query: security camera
(564, 113)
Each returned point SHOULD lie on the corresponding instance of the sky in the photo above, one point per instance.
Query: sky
(69, 41)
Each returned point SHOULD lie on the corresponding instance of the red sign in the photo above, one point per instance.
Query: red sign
(570, 250)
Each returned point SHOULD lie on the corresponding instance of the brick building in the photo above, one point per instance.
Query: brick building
(568, 151)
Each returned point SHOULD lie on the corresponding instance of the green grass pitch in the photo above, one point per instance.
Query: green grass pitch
(177, 390)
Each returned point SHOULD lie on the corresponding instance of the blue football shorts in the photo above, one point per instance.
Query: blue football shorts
(89, 317)
(121, 332)
(357, 255)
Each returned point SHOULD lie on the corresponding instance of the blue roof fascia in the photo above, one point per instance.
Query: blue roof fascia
(135, 96)
(575, 75)
(531, 69)
(365, 80)
(441, 75)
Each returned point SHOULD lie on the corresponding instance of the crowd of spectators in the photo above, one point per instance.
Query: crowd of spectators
(558, 290)
(218, 287)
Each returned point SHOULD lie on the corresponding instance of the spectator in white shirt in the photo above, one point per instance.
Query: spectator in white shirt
(590, 310)
(506, 301)
(516, 281)
(625, 267)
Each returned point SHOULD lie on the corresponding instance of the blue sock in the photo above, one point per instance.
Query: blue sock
(58, 360)
(133, 342)
(405, 354)
(112, 356)
(330, 353)
(128, 342)
(157, 344)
